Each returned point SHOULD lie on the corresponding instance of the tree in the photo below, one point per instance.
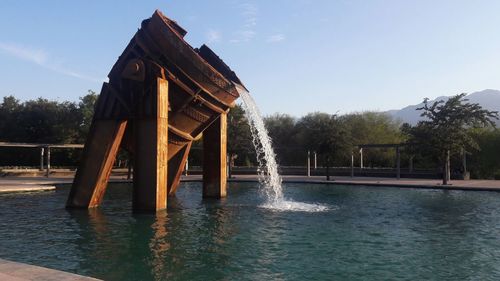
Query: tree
(446, 128)
(239, 138)
(86, 111)
(282, 131)
(485, 163)
(325, 134)
(375, 128)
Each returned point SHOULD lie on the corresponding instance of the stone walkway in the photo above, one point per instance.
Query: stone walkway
(14, 271)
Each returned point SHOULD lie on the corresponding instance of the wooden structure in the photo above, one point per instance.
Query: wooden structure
(45, 149)
(161, 96)
(397, 146)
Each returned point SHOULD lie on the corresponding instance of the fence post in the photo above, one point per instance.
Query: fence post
(398, 162)
(308, 163)
(352, 164)
(41, 158)
(361, 158)
(47, 174)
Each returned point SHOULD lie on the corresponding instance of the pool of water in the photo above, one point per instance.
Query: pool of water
(366, 233)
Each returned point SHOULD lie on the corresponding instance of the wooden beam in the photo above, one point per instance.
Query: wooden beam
(151, 153)
(97, 161)
(214, 158)
(176, 165)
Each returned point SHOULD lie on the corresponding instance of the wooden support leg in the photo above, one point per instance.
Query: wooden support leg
(151, 154)
(175, 166)
(97, 161)
(214, 158)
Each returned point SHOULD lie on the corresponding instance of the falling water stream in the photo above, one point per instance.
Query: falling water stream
(269, 178)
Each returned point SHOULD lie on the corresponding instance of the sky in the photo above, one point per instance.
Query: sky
(295, 57)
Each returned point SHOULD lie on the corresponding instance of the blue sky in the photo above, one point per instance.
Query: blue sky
(294, 56)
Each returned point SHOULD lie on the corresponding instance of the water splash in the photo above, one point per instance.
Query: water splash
(269, 177)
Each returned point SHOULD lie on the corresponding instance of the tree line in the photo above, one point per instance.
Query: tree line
(448, 129)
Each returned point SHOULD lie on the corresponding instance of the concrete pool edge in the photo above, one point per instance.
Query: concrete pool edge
(17, 184)
(16, 271)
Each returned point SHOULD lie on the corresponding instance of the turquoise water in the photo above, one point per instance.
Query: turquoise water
(368, 233)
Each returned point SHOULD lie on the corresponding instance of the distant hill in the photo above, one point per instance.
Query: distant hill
(488, 99)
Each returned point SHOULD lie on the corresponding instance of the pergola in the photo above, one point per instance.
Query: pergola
(44, 150)
(397, 146)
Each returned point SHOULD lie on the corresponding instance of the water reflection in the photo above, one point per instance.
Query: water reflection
(159, 246)
(374, 234)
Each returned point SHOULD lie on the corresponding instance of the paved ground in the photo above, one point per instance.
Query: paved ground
(14, 271)
(30, 183)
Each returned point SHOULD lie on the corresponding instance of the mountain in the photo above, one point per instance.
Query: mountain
(488, 99)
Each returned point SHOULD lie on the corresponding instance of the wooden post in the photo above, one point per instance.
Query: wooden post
(214, 158)
(41, 158)
(327, 168)
(47, 174)
(175, 166)
(97, 161)
(151, 153)
(308, 163)
(352, 164)
(398, 163)
(446, 172)
(361, 158)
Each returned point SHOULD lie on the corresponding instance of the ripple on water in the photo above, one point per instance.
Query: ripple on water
(284, 205)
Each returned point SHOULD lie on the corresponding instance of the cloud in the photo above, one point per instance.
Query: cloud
(243, 36)
(213, 36)
(250, 14)
(32, 55)
(276, 38)
(43, 59)
(247, 31)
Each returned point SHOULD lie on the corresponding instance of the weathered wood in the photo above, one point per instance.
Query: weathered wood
(214, 158)
(151, 153)
(163, 119)
(97, 161)
(175, 166)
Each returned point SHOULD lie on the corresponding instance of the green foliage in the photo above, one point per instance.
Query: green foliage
(86, 112)
(43, 121)
(239, 138)
(447, 128)
(325, 134)
(485, 163)
(282, 130)
(374, 128)
(447, 125)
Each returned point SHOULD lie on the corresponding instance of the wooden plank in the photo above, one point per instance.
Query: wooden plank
(151, 154)
(188, 61)
(97, 161)
(214, 158)
(40, 145)
(175, 167)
